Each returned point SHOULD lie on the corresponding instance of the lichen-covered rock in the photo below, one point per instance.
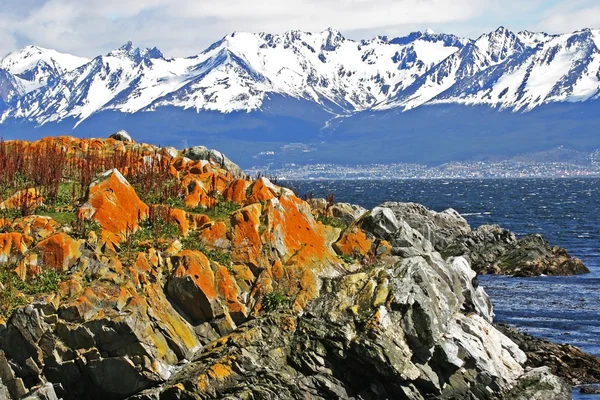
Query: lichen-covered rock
(113, 202)
(13, 246)
(59, 252)
(257, 295)
(27, 199)
(400, 331)
(192, 287)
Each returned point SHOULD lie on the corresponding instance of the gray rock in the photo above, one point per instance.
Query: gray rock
(347, 212)
(4, 394)
(122, 136)
(119, 377)
(439, 228)
(203, 153)
(539, 384)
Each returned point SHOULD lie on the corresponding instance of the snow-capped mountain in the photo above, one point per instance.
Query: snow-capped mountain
(34, 66)
(242, 71)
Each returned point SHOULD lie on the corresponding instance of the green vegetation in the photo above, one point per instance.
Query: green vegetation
(63, 218)
(193, 242)
(274, 300)
(15, 292)
(221, 210)
(347, 259)
(332, 221)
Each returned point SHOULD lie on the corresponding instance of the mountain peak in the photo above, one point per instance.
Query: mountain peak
(135, 53)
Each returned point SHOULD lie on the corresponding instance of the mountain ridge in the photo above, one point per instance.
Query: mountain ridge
(341, 75)
(350, 100)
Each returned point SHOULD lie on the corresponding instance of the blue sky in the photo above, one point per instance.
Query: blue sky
(186, 27)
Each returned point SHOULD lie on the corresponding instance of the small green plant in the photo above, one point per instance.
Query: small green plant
(274, 300)
(332, 221)
(83, 227)
(347, 259)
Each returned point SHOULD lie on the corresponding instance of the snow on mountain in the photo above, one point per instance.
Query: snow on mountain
(9, 87)
(34, 66)
(563, 68)
(518, 71)
(488, 50)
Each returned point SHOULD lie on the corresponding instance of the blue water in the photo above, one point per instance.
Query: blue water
(565, 211)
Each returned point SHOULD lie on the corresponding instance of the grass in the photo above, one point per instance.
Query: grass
(63, 218)
(16, 292)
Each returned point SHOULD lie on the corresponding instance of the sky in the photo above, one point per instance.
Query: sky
(186, 27)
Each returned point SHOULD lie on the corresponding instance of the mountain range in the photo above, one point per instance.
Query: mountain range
(319, 97)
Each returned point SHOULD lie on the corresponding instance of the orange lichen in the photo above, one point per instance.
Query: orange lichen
(214, 235)
(262, 190)
(113, 202)
(353, 241)
(236, 191)
(195, 265)
(246, 242)
(59, 251)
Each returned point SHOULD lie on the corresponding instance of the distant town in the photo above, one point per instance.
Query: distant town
(454, 170)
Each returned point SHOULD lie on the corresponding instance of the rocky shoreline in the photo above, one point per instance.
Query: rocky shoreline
(174, 276)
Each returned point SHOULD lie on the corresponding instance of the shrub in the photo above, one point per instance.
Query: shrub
(274, 300)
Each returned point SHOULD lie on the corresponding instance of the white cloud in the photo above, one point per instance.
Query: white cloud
(571, 16)
(185, 27)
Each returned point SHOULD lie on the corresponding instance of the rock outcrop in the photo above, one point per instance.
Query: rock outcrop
(490, 248)
(173, 276)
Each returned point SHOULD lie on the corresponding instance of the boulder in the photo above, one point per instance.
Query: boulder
(563, 360)
(540, 384)
(347, 212)
(192, 287)
(203, 153)
(122, 136)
